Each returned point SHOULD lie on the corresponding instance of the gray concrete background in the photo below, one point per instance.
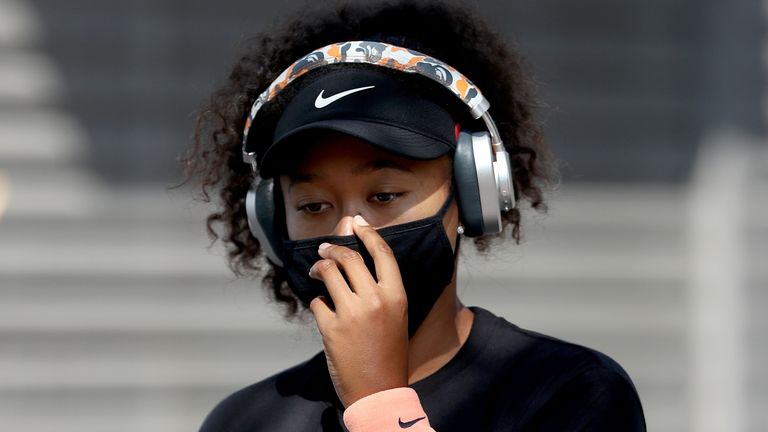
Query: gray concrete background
(115, 317)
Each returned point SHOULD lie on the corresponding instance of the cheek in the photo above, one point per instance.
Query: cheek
(451, 223)
(292, 226)
(431, 200)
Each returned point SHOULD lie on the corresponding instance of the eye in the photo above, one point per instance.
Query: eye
(313, 208)
(386, 197)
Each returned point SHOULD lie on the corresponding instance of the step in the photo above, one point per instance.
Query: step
(46, 135)
(20, 24)
(28, 79)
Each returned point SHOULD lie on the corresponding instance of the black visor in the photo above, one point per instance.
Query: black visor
(368, 104)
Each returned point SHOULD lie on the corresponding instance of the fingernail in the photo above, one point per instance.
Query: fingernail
(360, 221)
(324, 246)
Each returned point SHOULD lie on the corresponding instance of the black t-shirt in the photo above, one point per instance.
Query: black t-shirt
(503, 378)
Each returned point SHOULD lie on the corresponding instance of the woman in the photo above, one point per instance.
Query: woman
(371, 151)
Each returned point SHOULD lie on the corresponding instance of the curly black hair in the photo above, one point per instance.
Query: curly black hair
(448, 31)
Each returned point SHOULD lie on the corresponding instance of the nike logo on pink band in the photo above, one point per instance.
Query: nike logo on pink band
(406, 425)
(321, 101)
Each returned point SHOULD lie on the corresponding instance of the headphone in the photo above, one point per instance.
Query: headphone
(481, 169)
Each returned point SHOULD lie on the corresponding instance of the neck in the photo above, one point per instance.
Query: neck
(440, 336)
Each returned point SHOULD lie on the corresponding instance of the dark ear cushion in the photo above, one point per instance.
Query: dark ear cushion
(467, 186)
(262, 208)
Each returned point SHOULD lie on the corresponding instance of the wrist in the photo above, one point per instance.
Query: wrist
(372, 389)
(387, 410)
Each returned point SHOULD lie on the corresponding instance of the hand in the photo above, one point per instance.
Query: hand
(366, 337)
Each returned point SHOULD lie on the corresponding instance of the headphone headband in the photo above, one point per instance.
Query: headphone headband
(378, 54)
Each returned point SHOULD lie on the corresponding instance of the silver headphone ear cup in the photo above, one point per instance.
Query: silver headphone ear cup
(487, 181)
(260, 212)
(506, 190)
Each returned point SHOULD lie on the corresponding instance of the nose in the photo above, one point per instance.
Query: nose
(344, 226)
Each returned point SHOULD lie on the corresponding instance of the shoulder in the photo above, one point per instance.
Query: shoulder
(234, 410)
(527, 348)
(300, 388)
(567, 386)
(599, 397)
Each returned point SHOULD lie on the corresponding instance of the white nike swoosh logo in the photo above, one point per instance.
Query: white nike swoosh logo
(321, 101)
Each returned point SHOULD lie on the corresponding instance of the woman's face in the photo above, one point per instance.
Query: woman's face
(340, 176)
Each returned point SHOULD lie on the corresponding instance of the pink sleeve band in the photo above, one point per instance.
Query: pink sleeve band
(396, 409)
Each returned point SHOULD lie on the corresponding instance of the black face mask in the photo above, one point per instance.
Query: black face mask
(421, 248)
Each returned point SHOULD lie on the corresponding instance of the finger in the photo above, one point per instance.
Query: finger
(322, 312)
(360, 278)
(327, 271)
(387, 270)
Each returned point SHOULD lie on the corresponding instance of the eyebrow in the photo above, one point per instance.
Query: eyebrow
(365, 168)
